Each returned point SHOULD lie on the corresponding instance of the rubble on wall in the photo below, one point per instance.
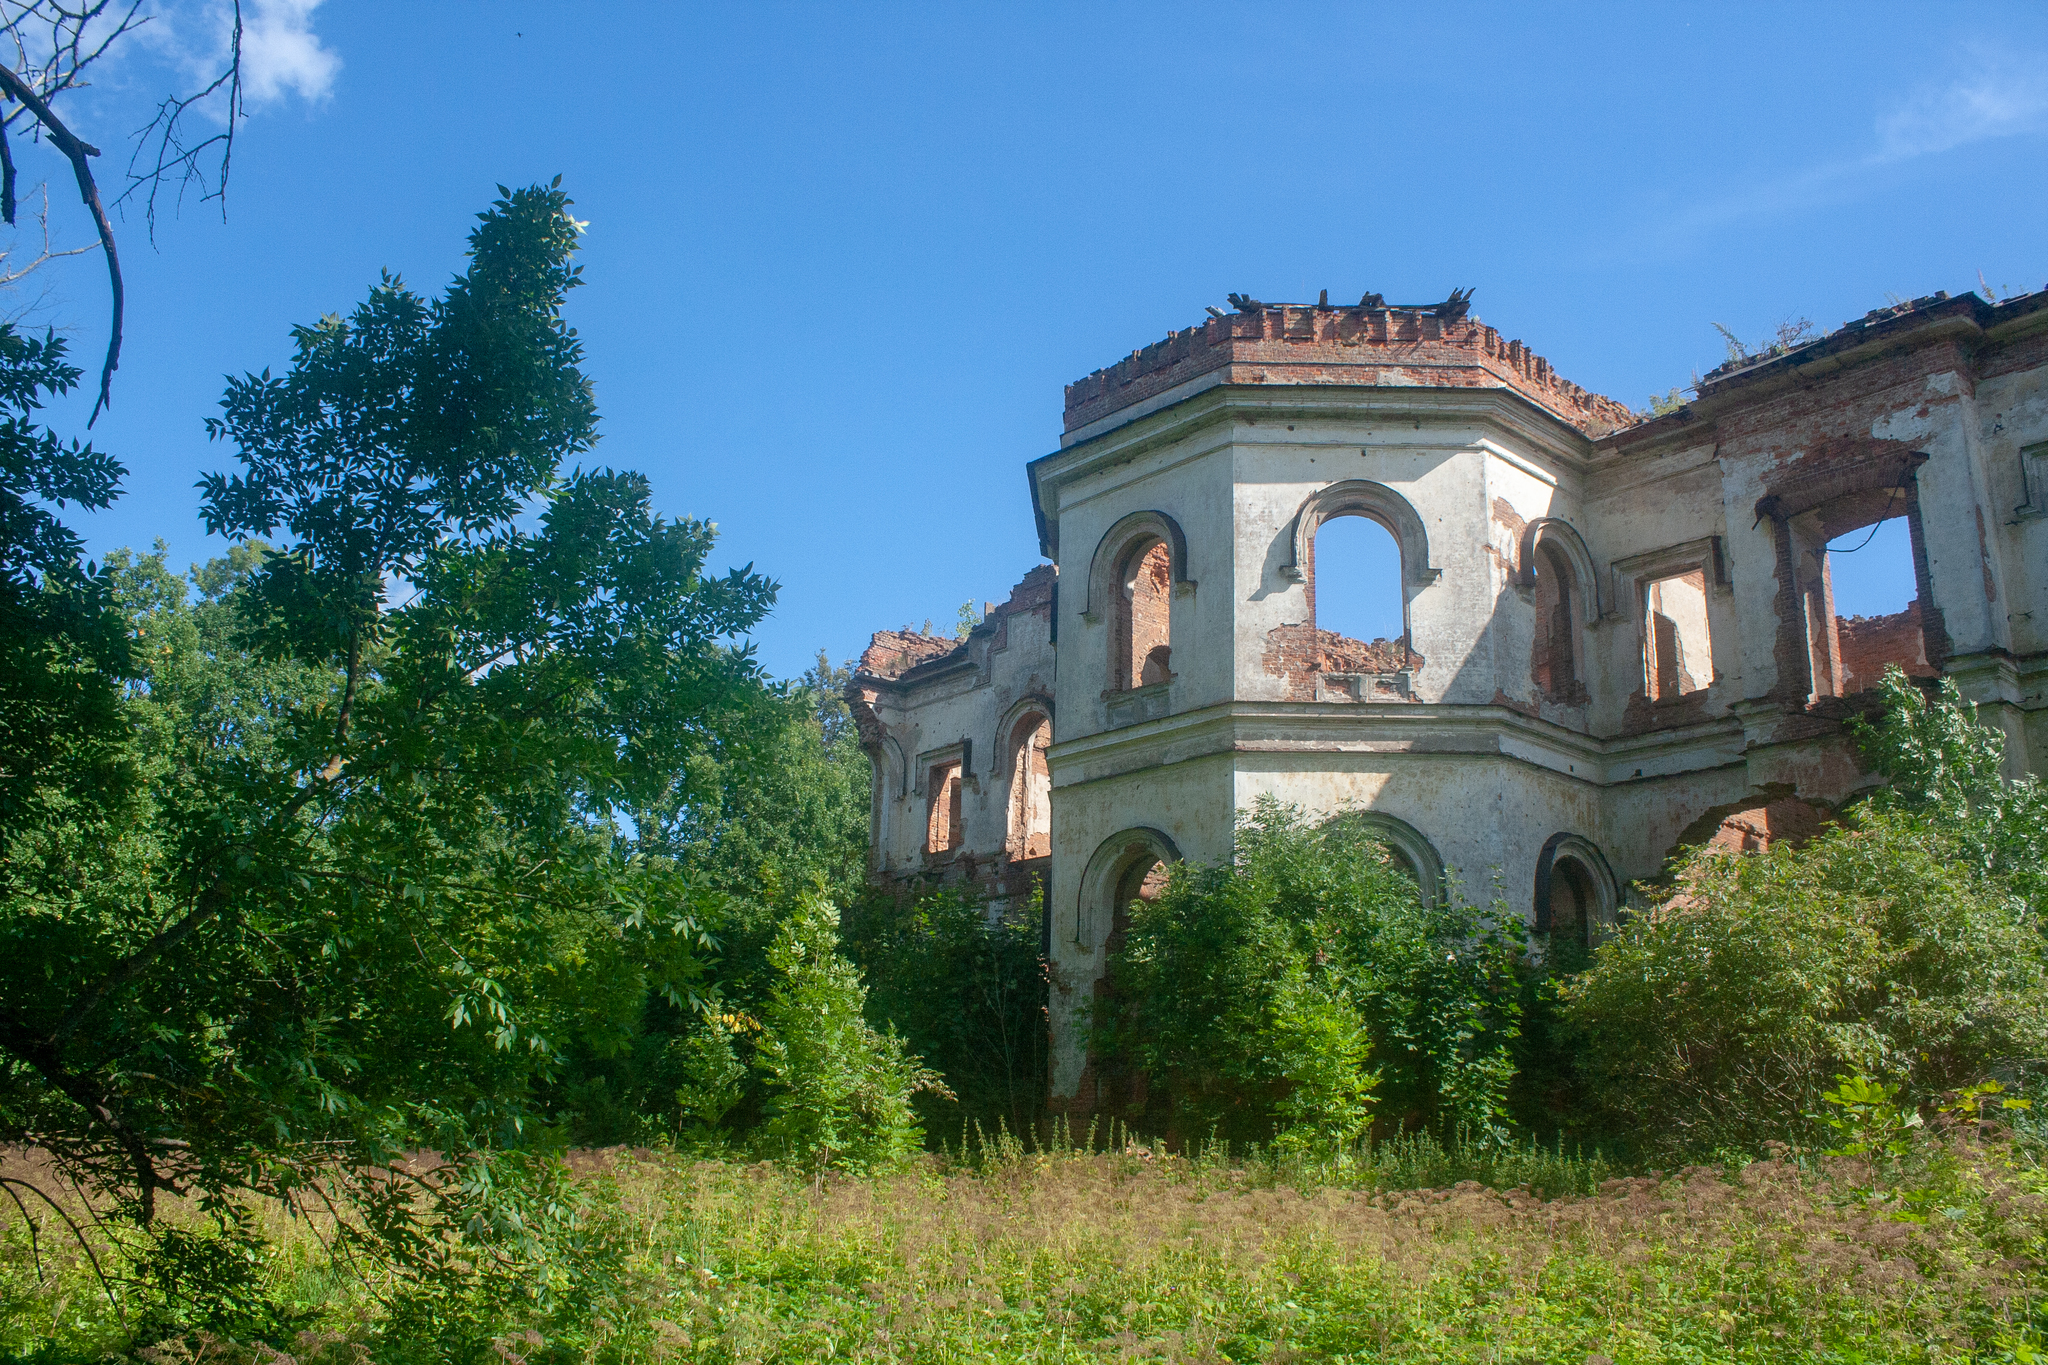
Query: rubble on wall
(1363, 345)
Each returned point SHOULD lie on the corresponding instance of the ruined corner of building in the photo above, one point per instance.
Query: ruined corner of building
(1613, 635)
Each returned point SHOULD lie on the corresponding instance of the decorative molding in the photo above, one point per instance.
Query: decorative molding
(1006, 728)
(1632, 573)
(2034, 479)
(1363, 497)
(1587, 854)
(1411, 844)
(1111, 859)
(960, 751)
(1109, 552)
(1558, 534)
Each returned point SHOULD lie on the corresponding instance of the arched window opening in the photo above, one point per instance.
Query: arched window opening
(1142, 881)
(1577, 898)
(1413, 854)
(1144, 625)
(942, 808)
(1864, 610)
(1355, 591)
(1573, 902)
(1030, 788)
(1555, 661)
(1678, 656)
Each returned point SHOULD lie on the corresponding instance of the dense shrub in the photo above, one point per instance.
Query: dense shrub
(967, 992)
(1901, 945)
(753, 835)
(839, 1089)
(1304, 989)
(1720, 1018)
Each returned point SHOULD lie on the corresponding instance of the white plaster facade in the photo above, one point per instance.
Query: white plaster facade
(1231, 442)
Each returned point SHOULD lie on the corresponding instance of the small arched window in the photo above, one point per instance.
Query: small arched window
(1144, 625)
(1554, 662)
(1030, 787)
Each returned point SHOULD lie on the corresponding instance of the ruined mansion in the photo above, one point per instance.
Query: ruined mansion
(1620, 633)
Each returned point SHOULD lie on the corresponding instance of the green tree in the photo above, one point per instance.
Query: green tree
(62, 646)
(1944, 767)
(1300, 989)
(374, 879)
(753, 830)
(967, 992)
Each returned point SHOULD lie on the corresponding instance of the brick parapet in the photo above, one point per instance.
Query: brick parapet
(892, 653)
(1314, 344)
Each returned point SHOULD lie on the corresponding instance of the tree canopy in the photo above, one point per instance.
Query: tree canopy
(370, 873)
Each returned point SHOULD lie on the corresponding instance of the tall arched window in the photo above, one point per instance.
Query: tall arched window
(1030, 787)
(1144, 626)
(1356, 581)
(1555, 659)
(1577, 897)
(1573, 904)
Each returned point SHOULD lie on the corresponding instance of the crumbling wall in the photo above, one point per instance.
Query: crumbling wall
(1868, 643)
(940, 720)
(1307, 657)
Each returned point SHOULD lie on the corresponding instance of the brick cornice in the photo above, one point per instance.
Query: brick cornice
(1290, 344)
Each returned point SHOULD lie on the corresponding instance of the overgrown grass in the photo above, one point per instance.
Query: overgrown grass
(1404, 1252)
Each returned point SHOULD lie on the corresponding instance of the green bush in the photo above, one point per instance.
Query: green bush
(1305, 990)
(1898, 946)
(839, 1089)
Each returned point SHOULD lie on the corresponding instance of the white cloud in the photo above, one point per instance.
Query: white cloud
(1989, 96)
(281, 53)
(1997, 99)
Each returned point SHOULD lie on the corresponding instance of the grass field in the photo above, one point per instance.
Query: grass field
(1132, 1254)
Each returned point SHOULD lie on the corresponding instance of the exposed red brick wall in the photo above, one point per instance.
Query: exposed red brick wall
(1756, 827)
(1303, 344)
(1299, 653)
(1773, 814)
(1868, 643)
(892, 653)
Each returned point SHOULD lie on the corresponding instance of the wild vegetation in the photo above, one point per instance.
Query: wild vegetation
(426, 933)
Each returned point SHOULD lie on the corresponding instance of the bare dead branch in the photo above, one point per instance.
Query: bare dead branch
(7, 180)
(176, 160)
(15, 274)
(80, 154)
(55, 45)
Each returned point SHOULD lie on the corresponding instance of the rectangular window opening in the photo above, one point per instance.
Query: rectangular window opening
(1678, 658)
(942, 820)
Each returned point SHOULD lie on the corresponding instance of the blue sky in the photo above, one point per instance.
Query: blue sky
(842, 259)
